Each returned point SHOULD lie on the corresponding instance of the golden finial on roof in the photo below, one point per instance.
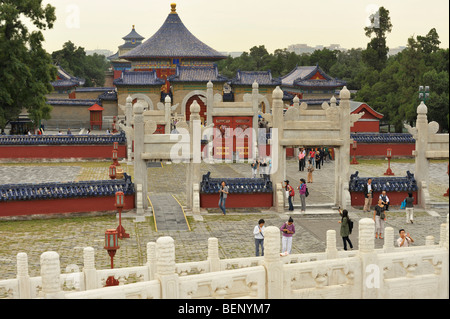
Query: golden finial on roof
(133, 26)
(174, 8)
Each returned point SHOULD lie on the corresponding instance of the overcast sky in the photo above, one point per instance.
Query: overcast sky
(238, 25)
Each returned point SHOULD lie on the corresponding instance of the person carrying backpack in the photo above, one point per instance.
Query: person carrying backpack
(290, 193)
(303, 191)
(346, 228)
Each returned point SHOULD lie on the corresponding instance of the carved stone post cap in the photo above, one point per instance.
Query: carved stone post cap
(422, 108)
(168, 99)
(138, 108)
(209, 85)
(164, 240)
(296, 99)
(255, 85)
(345, 93)
(333, 99)
(129, 99)
(195, 107)
(277, 93)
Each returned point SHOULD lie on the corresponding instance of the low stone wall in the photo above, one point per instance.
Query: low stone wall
(61, 146)
(387, 273)
(60, 198)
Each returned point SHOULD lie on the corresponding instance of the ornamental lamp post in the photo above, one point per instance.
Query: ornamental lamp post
(389, 155)
(114, 129)
(120, 197)
(114, 158)
(354, 161)
(112, 171)
(424, 93)
(111, 245)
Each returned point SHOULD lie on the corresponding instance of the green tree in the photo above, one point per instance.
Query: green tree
(325, 58)
(75, 61)
(375, 55)
(26, 69)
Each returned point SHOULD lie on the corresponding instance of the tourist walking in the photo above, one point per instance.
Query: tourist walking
(254, 167)
(322, 155)
(312, 156)
(379, 216)
(409, 208)
(385, 199)
(288, 229)
(223, 197)
(317, 159)
(405, 239)
(367, 195)
(258, 232)
(345, 229)
(301, 159)
(290, 193)
(310, 170)
(302, 188)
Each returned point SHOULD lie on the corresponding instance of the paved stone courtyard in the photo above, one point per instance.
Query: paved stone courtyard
(69, 236)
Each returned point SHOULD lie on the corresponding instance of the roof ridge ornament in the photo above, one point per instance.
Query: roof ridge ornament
(173, 9)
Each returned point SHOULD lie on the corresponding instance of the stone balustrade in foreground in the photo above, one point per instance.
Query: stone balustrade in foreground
(389, 272)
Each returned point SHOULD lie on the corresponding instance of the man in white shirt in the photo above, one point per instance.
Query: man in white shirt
(258, 232)
(404, 240)
(367, 195)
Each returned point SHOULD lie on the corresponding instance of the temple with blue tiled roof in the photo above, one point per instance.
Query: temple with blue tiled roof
(65, 82)
(132, 40)
(311, 84)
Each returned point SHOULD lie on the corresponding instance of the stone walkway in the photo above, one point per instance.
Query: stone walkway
(168, 213)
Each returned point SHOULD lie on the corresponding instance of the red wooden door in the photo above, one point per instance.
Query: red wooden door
(231, 135)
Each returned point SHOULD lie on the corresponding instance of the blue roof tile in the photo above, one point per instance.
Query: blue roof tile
(138, 78)
(197, 74)
(261, 77)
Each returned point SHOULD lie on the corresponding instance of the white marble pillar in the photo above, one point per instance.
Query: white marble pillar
(140, 166)
(213, 254)
(371, 272)
(255, 107)
(50, 274)
(272, 263)
(344, 163)
(167, 113)
(278, 151)
(209, 102)
(165, 268)
(331, 249)
(23, 276)
(421, 163)
(151, 260)
(89, 271)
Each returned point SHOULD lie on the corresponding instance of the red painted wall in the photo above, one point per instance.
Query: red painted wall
(63, 205)
(395, 198)
(237, 200)
(366, 126)
(380, 149)
(61, 151)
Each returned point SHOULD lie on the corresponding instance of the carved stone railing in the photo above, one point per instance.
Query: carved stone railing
(388, 272)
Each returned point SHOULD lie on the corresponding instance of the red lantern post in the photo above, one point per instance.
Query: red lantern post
(112, 171)
(111, 245)
(114, 128)
(354, 161)
(114, 158)
(120, 196)
(389, 155)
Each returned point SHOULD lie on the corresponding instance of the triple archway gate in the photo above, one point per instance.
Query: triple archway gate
(298, 126)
